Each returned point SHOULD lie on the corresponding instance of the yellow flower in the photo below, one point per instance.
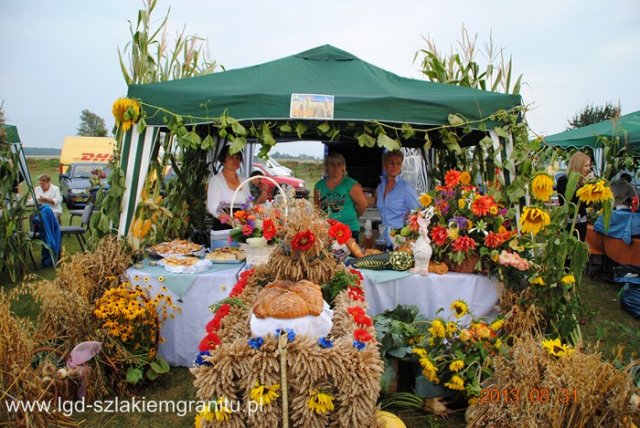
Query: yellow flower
(456, 383)
(568, 279)
(594, 192)
(465, 335)
(420, 352)
(456, 365)
(542, 187)
(496, 325)
(425, 199)
(451, 327)
(220, 411)
(462, 203)
(459, 308)
(452, 233)
(556, 348)
(320, 402)
(473, 401)
(161, 279)
(533, 220)
(498, 343)
(126, 112)
(493, 210)
(438, 328)
(537, 281)
(263, 394)
(465, 177)
(429, 370)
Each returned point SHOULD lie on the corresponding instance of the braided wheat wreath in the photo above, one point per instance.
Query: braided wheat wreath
(348, 370)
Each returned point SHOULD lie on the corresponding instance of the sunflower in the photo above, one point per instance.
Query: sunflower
(320, 402)
(126, 112)
(595, 192)
(542, 187)
(537, 281)
(456, 365)
(533, 220)
(459, 308)
(456, 383)
(497, 324)
(429, 370)
(263, 394)
(556, 348)
(438, 328)
(568, 279)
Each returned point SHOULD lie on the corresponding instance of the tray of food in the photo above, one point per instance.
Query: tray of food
(184, 264)
(226, 255)
(177, 247)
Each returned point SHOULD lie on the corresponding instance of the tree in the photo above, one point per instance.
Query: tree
(593, 114)
(91, 125)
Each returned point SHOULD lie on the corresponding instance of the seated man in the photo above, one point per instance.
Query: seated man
(623, 191)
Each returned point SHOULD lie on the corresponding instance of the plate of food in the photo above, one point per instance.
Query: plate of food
(177, 247)
(226, 255)
(184, 264)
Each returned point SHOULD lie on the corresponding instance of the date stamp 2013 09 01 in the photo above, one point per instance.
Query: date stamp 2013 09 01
(495, 395)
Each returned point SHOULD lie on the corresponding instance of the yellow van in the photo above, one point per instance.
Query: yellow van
(85, 149)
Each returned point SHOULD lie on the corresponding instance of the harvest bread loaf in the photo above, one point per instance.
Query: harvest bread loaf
(288, 299)
(226, 253)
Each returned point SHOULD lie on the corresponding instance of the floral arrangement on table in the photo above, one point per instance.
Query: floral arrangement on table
(322, 386)
(265, 221)
(456, 353)
(131, 316)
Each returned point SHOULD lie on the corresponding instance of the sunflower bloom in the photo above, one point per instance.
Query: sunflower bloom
(537, 281)
(456, 365)
(425, 199)
(555, 348)
(321, 403)
(568, 279)
(126, 112)
(263, 394)
(429, 370)
(456, 383)
(438, 328)
(595, 192)
(459, 308)
(542, 187)
(497, 324)
(534, 220)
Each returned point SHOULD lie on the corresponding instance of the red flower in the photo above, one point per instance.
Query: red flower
(439, 235)
(452, 178)
(359, 316)
(463, 244)
(242, 282)
(269, 229)
(302, 241)
(247, 230)
(482, 205)
(332, 221)
(362, 335)
(355, 293)
(209, 342)
(356, 273)
(340, 232)
(494, 240)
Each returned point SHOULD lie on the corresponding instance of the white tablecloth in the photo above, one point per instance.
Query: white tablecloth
(183, 333)
(432, 292)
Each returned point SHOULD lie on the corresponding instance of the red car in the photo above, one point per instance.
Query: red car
(284, 181)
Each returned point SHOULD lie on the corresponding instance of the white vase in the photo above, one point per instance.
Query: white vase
(257, 242)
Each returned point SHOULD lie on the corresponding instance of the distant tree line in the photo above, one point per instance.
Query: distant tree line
(278, 155)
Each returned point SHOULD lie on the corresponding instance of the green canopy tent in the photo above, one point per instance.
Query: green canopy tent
(625, 128)
(11, 136)
(355, 90)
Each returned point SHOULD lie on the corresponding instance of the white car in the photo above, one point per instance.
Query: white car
(274, 167)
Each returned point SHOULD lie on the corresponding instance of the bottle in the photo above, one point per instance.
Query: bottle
(368, 234)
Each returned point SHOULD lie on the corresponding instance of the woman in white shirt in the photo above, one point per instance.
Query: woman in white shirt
(223, 185)
(49, 194)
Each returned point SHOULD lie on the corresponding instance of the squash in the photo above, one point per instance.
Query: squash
(400, 260)
(386, 419)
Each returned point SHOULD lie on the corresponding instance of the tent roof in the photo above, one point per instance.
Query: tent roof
(627, 127)
(11, 133)
(362, 91)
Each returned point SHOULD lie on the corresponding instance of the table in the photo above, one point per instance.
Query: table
(432, 292)
(623, 224)
(193, 293)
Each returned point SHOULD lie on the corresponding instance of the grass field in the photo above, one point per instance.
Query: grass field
(607, 326)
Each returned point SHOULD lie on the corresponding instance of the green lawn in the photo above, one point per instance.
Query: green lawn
(607, 324)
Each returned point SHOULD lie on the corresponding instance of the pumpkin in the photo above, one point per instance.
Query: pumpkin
(438, 267)
(388, 420)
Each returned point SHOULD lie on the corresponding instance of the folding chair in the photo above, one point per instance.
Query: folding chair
(80, 230)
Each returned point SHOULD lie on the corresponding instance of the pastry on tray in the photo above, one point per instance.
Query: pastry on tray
(225, 254)
(173, 261)
(288, 299)
(176, 247)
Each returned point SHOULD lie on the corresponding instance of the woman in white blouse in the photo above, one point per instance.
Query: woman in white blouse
(223, 185)
(48, 194)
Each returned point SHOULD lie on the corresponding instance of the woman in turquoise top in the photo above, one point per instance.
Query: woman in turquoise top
(340, 196)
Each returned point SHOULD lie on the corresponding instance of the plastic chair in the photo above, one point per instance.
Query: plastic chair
(80, 230)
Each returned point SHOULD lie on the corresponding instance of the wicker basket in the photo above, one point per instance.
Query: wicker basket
(466, 266)
(257, 255)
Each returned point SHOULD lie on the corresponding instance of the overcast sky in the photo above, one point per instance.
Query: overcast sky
(60, 57)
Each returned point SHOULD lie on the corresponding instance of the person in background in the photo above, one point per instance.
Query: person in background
(580, 163)
(223, 185)
(339, 195)
(623, 191)
(48, 194)
(394, 196)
